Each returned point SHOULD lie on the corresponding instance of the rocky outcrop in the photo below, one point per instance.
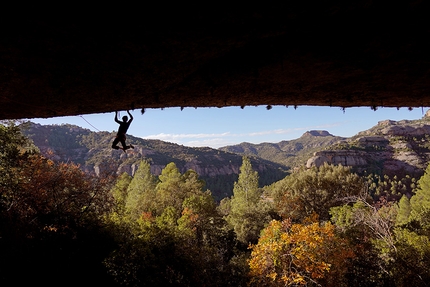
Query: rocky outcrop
(156, 169)
(211, 170)
(402, 128)
(373, 141)
(317, 133)
(390, 147)
(342, 157)
(406, 130)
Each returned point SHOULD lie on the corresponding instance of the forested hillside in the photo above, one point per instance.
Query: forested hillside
(92, 150)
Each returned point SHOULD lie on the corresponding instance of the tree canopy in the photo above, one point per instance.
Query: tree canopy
(315, 190)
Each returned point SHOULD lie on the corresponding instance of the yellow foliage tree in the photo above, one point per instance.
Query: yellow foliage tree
(299, 254)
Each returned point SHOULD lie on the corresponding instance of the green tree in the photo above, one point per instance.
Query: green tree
(169, 192)
(116, 219)
(248, 212)
(412, 234)
(404, 211)
(315, 190)
(119, 192)
(174, 187)
(199, 216)
(246, 186)
(141, 191)
(191, 182)
(224, 206)
(411, 259)
(420, 202)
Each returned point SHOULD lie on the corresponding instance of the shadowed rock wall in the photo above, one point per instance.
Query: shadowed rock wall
(79, 60)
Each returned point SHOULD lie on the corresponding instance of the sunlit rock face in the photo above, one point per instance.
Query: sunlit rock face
(328, 53)
(342, 157)
(391, 147)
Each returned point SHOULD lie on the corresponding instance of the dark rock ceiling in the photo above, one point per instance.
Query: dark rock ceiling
(77, 60)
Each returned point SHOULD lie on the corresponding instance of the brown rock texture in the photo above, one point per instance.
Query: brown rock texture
(57, 61)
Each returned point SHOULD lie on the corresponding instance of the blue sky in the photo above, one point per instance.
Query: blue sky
(217, 127)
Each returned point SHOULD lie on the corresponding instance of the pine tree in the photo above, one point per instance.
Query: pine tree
(119, 192)
(169, 189)
(191, 183)
(141, 191)
(404, 211)
(420, 202)
(248, 214)
(247, 185)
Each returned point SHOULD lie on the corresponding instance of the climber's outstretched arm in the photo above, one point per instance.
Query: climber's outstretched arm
(116, 118)
(131, 117)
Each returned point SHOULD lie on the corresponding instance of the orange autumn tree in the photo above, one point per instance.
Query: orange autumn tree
(55, 197)
(299, 254)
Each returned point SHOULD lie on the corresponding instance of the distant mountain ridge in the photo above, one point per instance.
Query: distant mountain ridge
(390, 147)
(290, 153)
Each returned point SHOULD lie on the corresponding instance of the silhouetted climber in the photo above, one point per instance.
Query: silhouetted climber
(122, 130)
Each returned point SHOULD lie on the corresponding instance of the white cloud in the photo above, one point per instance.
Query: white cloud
(216, 140)
(213, 143)
(289, 131)
(163, 136)
(271, 132)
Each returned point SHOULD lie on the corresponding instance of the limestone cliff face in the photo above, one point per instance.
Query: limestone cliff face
(389, 128)
(129, 163)
(343, 157)
(390, 147)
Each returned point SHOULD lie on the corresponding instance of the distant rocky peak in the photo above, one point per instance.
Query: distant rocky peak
(317, 133)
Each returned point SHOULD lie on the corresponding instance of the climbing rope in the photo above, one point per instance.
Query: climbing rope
(89, 123)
